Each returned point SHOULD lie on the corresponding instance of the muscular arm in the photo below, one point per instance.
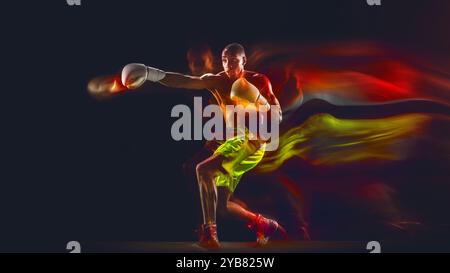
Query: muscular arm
(178, 80)
(134, 75)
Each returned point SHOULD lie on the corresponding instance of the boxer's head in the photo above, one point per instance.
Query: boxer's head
(233, 60)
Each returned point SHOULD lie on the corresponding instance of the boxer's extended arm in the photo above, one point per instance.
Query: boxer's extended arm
(134, 75)
(177, 80)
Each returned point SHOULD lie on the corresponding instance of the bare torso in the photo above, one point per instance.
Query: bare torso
(220, 86)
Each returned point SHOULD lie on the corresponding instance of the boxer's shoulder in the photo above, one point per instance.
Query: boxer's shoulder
(222, 74)
(255, 75)
(211, 76)
(216, 81)
(257, 78)
(207, 76)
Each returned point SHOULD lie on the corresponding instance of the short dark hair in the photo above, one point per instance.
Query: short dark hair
(234, 48)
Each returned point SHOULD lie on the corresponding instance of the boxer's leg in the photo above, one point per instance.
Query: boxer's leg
(228, 208)
(240, 157)
(206, 172)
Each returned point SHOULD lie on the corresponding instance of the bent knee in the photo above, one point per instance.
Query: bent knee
(202, 169)
(205, 168)
(205, 176)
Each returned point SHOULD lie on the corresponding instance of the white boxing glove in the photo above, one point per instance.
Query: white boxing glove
(134, 75)
(244, 90)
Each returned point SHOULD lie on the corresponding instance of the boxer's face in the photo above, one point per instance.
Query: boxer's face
(233, 63)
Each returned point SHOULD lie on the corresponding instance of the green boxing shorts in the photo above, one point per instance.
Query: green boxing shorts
(241, 155)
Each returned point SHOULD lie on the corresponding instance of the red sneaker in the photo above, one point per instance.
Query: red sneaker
(208, 236)
(264, 228)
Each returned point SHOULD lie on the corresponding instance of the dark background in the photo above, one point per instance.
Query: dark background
(74, 168)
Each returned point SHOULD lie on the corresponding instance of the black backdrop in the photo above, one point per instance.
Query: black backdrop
(74, 168)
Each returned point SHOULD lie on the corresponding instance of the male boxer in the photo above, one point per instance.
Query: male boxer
(219, 174)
